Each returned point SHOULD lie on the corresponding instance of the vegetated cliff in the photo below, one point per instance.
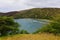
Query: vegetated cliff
(41, 13)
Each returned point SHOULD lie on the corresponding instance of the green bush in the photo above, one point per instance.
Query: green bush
(8, 26)
(53, 27)
(24, 32)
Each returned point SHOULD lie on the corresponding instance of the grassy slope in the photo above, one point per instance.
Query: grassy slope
(32, 37)
(41, 13)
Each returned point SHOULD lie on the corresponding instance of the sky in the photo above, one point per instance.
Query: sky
(15, 5)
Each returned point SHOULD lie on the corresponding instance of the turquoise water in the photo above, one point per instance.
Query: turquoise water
(30, 25)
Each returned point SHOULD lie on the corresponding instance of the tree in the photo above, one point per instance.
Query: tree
(8, 26)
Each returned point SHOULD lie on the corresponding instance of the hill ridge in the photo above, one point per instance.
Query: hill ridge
(43, 13)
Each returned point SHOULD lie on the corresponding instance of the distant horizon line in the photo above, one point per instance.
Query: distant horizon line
(26, 9)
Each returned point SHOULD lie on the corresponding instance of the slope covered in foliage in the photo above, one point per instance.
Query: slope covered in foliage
(41, 13)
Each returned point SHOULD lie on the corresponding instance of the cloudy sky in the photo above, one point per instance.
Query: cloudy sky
(12, 5)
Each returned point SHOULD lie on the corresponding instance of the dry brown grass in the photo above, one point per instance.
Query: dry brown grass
(32, 37)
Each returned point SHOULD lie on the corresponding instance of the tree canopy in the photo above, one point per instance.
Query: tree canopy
(8, 26)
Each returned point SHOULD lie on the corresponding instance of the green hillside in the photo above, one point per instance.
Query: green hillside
(39, 13)
(36, 13)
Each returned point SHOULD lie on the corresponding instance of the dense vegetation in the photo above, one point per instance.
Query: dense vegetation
(41, 13)
(24, 32)
(38, 13)
(8, 26)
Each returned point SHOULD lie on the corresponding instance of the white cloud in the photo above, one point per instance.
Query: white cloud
(44, 3)
(10, 5)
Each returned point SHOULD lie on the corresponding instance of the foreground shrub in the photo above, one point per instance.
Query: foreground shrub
(8, 26)
(24, 32)
(53, 27)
